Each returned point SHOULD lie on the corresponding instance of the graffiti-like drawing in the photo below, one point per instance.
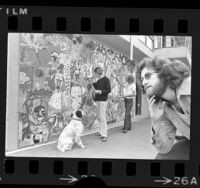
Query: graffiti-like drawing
(55, 78)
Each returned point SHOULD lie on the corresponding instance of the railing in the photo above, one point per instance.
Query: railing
(188, 44)
(178, 42)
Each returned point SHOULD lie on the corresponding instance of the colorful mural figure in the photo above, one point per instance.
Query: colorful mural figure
(55, 78)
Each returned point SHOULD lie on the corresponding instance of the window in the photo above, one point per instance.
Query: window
(155, 43)
(163, 42)
(168, 41)
(149, 42)
(158, 42)
(172, 42)
(142, 38)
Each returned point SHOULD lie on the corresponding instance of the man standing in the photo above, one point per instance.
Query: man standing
(167, 86)
(102, 89)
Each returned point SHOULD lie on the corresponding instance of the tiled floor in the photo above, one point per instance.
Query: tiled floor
(132, 145)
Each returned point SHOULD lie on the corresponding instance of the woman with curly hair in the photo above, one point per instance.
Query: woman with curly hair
(167, 85)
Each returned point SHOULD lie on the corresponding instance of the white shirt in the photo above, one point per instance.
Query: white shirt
(130, 89)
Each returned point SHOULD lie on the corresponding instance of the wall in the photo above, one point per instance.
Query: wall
(55, 72)
(12, 93)
(145, 107)
(139, 47)
(172, 52)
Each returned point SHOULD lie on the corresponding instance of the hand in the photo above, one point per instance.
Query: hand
(98, 91)
(156, 110)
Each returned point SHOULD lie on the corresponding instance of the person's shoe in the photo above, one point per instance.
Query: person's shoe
(104, 139)
(125, 131)
(179, 137)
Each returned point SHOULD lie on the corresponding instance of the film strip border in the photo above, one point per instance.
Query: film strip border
(110, 25)
(70, 171)
(99, 21)
(110, 21)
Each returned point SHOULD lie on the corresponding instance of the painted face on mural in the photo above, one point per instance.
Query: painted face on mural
(58, 81)
(77, 75)
(54, 56)
(37, 138)
(151, 82)
(54, 63)
(39, 113)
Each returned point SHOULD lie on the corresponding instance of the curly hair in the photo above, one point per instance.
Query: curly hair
(171, 72)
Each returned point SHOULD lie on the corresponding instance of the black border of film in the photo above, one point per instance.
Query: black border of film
(98, 20)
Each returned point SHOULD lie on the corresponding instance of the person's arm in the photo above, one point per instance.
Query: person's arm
(163, 135)
(107, 87)
(95, 85)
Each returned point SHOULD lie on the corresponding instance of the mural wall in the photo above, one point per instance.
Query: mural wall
(55, 79)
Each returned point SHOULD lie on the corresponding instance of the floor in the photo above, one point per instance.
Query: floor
(132, 145)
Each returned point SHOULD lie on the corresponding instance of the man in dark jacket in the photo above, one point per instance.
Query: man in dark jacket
(102, 89)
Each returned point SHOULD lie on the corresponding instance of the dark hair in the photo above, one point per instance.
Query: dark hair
(130, 79)
(171, 72)
(79, 114)
(98, 70)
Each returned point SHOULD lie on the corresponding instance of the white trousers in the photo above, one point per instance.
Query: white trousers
(101, 117)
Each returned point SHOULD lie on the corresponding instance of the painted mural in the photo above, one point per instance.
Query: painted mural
(55, 78)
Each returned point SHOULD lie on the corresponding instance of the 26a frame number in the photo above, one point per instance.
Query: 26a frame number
(185, 181)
